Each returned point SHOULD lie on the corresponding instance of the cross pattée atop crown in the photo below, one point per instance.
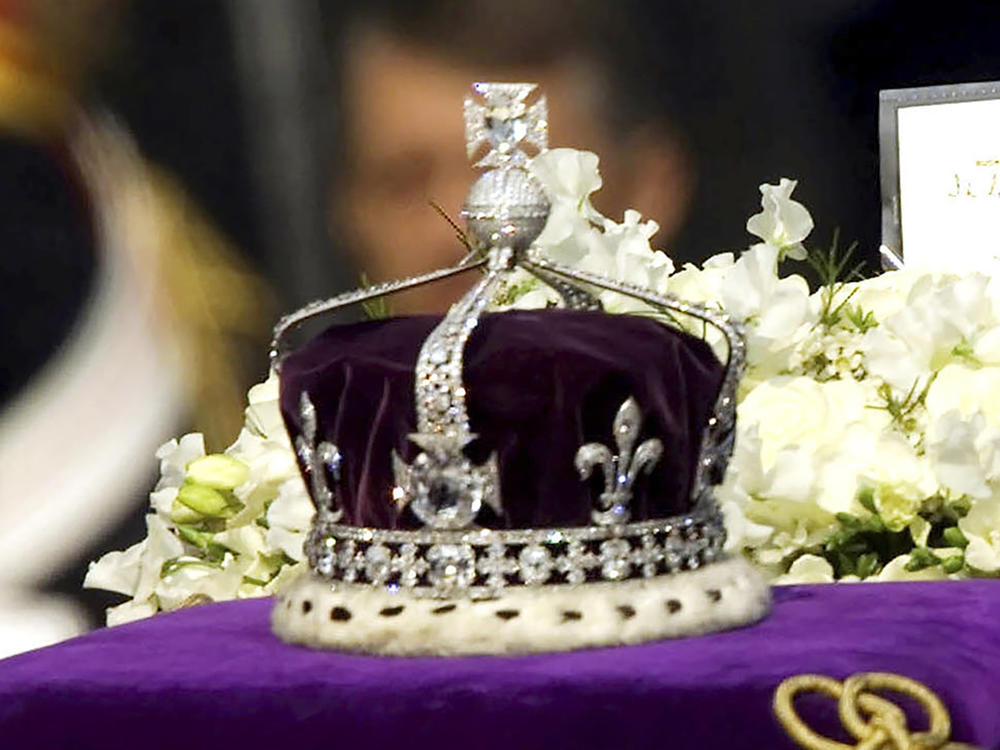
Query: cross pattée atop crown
(504, 121)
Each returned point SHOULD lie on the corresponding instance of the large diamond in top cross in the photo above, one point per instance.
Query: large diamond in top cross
(504, 122)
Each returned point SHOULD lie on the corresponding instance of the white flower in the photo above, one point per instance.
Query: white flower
(900, 479)
(941, 322)
(895, 570)
(807, 569)
(175, 456)
(568, 176)
(967, 391)
(981, 526)
(217, 582)
(573, 225)
(964, 453)
(263, 412)
(783, 223)
(130, 611)
(136, 571)
(289, 518)
(777, 310)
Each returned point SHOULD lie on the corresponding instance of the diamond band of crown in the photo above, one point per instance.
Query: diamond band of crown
(450, 556)
(481, 563)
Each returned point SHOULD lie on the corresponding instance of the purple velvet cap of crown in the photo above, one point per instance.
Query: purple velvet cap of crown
(540, 384)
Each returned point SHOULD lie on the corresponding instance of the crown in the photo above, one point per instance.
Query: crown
(470, 531)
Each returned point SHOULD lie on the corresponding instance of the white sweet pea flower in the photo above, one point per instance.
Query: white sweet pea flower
(289, 518)
(882, 295)
(941, 322)
(783, 223)
(966, 390)
(136, 571)
(217, 582)
(263, 412)
(285, 576)
(895, 570)
(964, 453)
(568, 176)
(116, 571)
(806, 569)
(703, 284)
(130, 611)
(981, 526)
(622, 252)
(175, 456)
(573, 226)
(777, 310)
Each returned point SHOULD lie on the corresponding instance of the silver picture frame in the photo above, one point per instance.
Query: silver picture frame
(890, 102)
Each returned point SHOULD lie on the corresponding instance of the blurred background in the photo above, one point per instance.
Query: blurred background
(175, 174)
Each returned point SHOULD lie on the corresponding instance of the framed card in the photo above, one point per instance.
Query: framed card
(940, 175)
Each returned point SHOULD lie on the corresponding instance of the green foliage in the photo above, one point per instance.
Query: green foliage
(375, 309)
(922, 557)
(861, 320)
(863, 545)
(835, 267)
(903, 410)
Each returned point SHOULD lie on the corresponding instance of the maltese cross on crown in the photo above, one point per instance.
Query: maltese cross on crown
(504, 121)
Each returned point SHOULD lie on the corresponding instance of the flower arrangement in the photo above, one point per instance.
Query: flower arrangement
(868, 443)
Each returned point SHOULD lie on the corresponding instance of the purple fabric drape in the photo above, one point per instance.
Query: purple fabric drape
(215, 677)
(541, 383)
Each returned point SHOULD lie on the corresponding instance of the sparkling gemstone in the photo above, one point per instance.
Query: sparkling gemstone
(345, 553)
(615, 562)
(502, 129)
(438, 355)
(325, 564)
(409, 565)
(536, 564)
(673, 551)
(377, 563)
(447, 496)
(451, 566)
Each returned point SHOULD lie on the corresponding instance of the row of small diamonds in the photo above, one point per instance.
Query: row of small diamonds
(440, 393)
(560, 558)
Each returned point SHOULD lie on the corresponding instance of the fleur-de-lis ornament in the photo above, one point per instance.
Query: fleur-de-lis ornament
(621, 470)
(321, 460)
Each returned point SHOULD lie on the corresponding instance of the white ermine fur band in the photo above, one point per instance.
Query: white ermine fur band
(725, 594)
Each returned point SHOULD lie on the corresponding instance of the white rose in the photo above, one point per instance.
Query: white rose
(900, 480)
(799, 411)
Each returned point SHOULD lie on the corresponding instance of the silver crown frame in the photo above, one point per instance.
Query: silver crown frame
(450, 556)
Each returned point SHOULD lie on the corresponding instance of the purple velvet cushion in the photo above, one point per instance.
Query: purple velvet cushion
(541, 383)
(214, 676)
